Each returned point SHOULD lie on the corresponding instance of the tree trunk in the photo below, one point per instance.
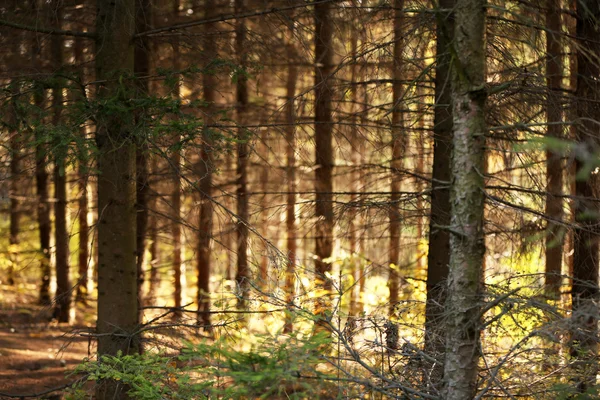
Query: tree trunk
(554, 167)
(205, 170)
(84, 235)
(15, 170)
(242, 276)
(438, 257)
(82, 217)
(398, 144)
(43, 206)
(176, 189)
(264, 205)
(62, 306)
(584, 337)
(354, 179)
(467, 243)
(141, 68)
(118, 315)
(290, 218)
(323, 151)
(154, 261)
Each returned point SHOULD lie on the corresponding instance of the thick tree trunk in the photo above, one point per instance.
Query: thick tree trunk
(584, 338)
(554, 166)
(242, 276)
(467, 243)
(439, 236)
(118, 315)
(290, 216)
(62, 306)
(398, 144)
(323, 150)
(141, 68)
(205, 170)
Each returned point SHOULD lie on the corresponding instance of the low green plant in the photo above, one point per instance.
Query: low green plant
(272, 367)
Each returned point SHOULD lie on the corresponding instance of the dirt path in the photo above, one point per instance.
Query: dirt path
(35, 354)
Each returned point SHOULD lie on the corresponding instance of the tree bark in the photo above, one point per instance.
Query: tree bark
(176, 189)
(83, 215)
(43, 206)
(118, 315)
(467, 243)
(554, 165)
(205, 170)
(15, 171)
(398, 144)
(62, 306)
(323, 152)
(242, 276)
(584, 337)
(354, 179)
(438, 258)
(141, 68)
(290, 217)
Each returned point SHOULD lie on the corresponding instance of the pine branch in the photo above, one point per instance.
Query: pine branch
(50, 31)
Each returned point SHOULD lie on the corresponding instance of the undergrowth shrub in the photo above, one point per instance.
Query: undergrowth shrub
(285, 367)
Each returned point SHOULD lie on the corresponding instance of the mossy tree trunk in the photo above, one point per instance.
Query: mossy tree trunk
(467, 243)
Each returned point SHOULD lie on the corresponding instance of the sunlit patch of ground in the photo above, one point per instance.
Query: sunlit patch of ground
(35, 353)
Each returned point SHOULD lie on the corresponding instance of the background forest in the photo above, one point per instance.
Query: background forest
(296, 199)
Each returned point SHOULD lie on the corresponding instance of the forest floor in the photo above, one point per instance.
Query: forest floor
(37, 354)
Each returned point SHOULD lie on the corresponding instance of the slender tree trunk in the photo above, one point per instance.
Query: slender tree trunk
(467, 243)
(554, 165)
(399, 140)
(154, 248)
(361, 273)
(205, 170)
(15, 170)
(354, 178)
(242, 277)
(290, 218)
(154, 278)
(438, 258)
(141, 68)
(62, 306)
(43, 207)
(83, 215)
(118, 314)
(323, 150)
(84, 235)
(264, 205)
(584, 338)
(176, 189)
(229, 226)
